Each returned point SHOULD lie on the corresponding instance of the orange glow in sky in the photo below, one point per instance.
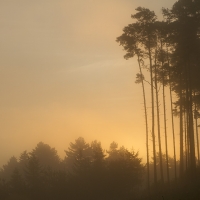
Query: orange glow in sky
(62, 75)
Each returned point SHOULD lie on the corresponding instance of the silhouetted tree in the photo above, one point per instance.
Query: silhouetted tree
(17, 183)
(47, 156)
(8, 169)
(33, 174)
(124, 172)
(139, 38)
(145, 20)
(184, 37)
(97, 154)
(23, 162)
(78, 155)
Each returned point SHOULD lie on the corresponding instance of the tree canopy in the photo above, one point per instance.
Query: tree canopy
(86, 172)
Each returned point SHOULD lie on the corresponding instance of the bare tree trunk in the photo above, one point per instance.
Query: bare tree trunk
(186, 109)
(191, 125)
(165, 120)
(152, 112)
(172, 117)
(192, 143)
(173, 132)
(181, 129)
(146, 123)
(165, 125)
(197, 138)
(186, 140)
(197, 133)
(158, 123)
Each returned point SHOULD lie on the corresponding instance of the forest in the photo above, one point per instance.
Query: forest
(86, 172)
(169, 50)
(168, 56)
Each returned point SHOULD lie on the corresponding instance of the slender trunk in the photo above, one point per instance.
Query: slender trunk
(166, 143)
(173, 132)
(158, 123)
(146, 123)
(191, 125)
(192, 142)
(172, 117)
(191, 135)
(197, 133)
(186, 143)
(181, 129)
(165, 120)
(188, 119)
(153, 123)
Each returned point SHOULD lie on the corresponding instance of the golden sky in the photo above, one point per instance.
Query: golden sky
(62, 75)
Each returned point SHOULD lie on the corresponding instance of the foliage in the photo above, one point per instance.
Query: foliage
(171, 49)
(91, 175)
(46, 155)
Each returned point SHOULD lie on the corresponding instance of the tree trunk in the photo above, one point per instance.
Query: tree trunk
(197, 133)
(186, 140)
(165, 120)
(172, 117)
(158, 123)
(181, 128)
(152, 112)
(191, 125)
(146, 123)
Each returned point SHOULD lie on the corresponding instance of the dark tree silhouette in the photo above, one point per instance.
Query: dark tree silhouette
(47, 156)
(124, 172)
(8, 169)
(17, 182)
(78, 155)
(139, 39)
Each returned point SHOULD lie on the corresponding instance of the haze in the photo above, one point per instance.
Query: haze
(62, 75)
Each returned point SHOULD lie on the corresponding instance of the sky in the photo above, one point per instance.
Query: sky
(63, 75)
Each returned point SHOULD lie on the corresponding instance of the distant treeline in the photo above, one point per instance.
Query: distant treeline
(86, 172)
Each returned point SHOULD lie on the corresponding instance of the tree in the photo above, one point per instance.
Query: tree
(139, 39)
(17, 183)
(196, 116)
(47, 156)
(172, 48)
(145, 20)
(97, 154)
(124, 172)
(160, 74)
(8, 169)
(23, 162)
(184, 37)
(113, 151)
(78, 156)
(33, 173)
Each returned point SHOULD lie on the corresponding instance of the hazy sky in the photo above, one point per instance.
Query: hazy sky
(62, 75)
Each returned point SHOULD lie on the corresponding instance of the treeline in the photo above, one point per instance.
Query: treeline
(86, 172)
(169, 49)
